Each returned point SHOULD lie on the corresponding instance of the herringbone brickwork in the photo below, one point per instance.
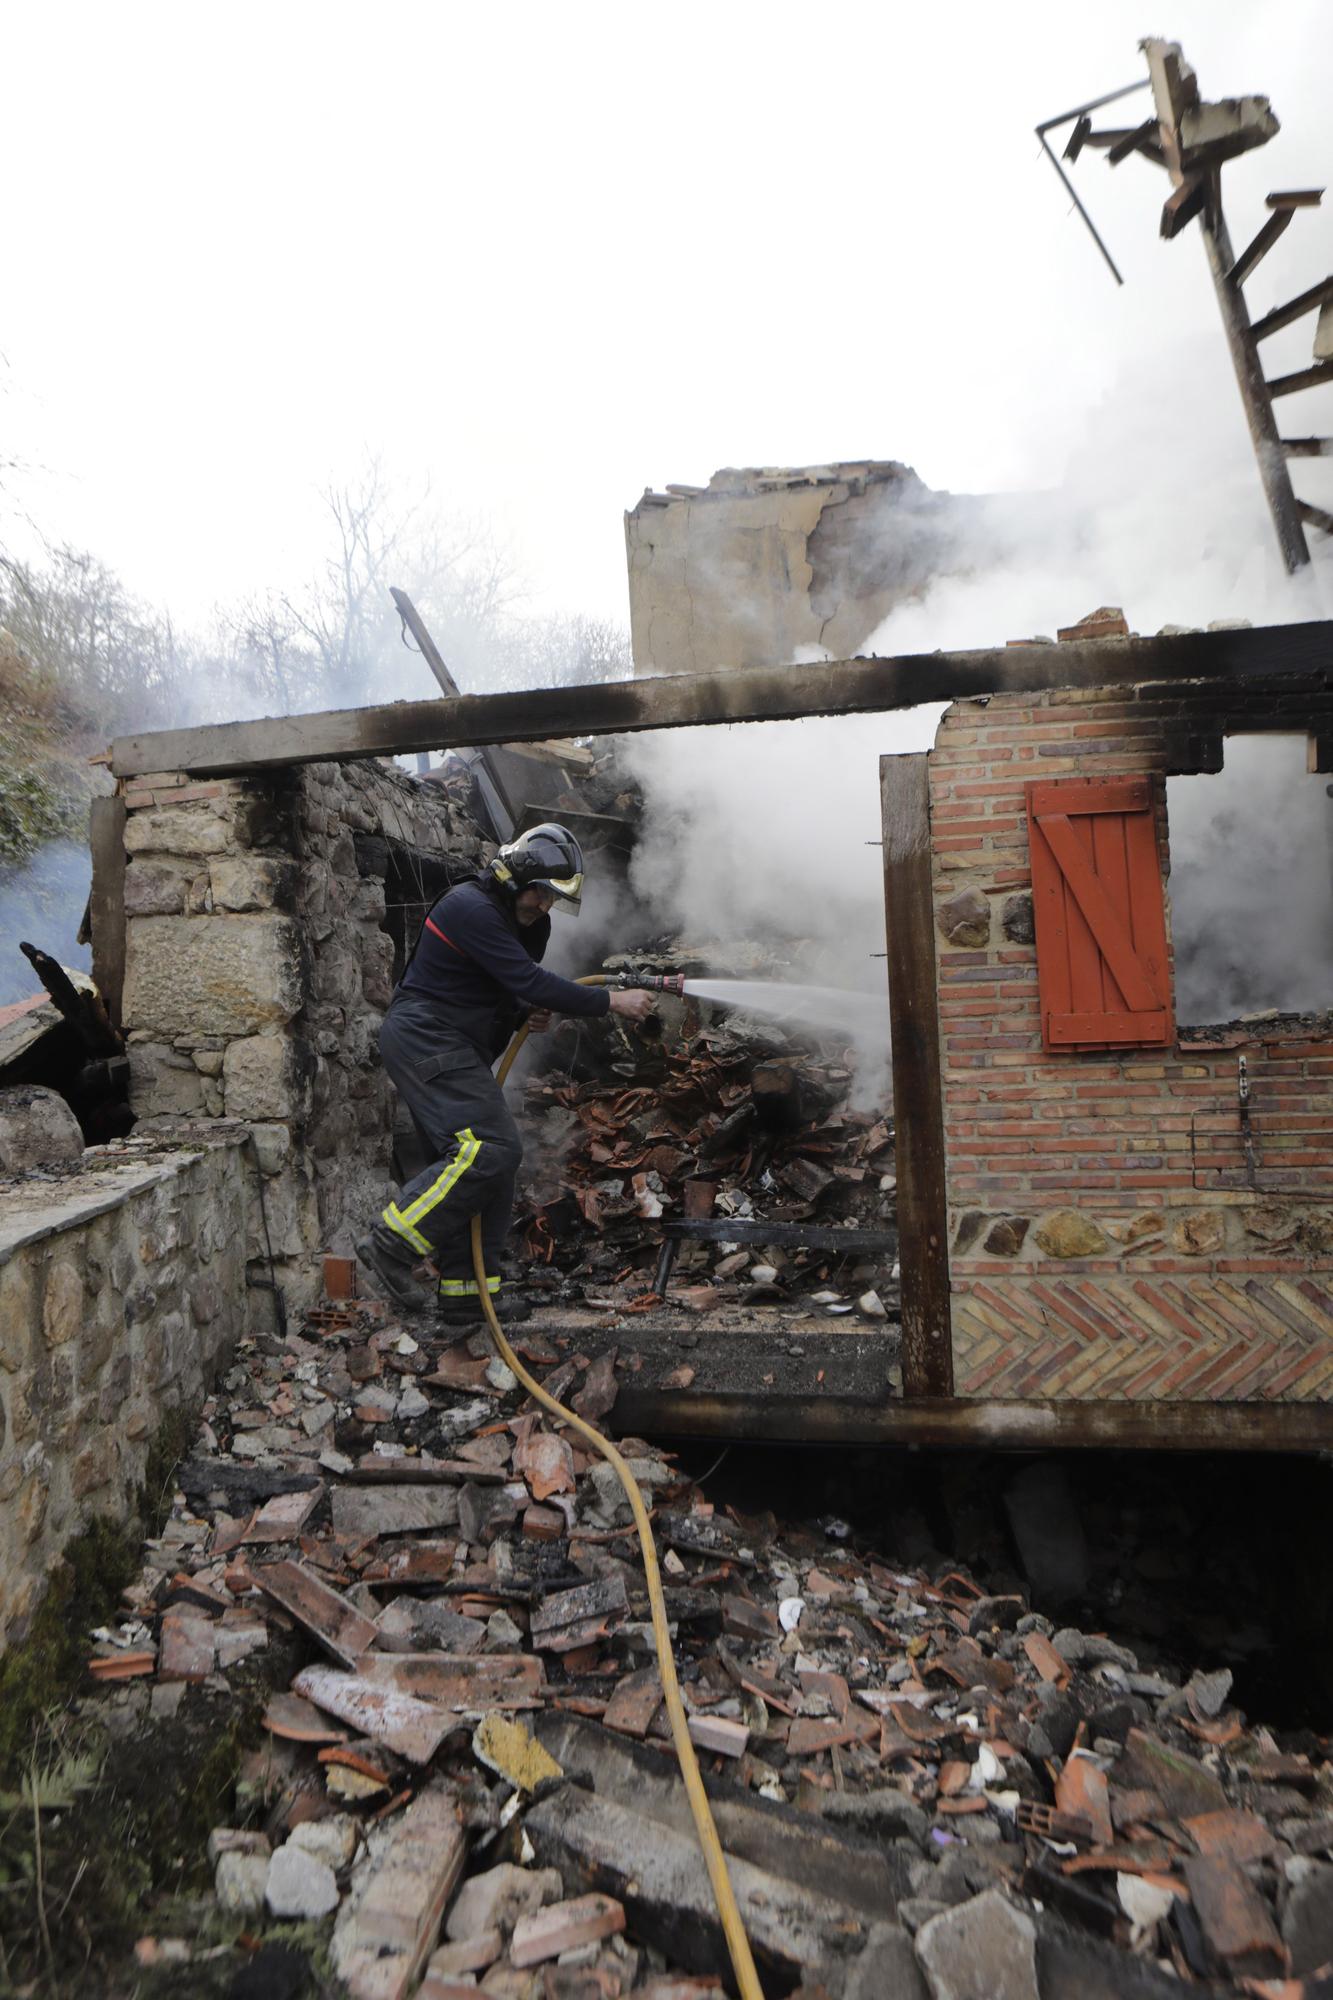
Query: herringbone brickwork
(1142, 1339)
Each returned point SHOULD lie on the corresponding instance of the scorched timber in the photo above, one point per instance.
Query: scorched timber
(751, 694)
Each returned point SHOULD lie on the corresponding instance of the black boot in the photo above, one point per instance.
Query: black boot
(464, 1311)
(389, 1264)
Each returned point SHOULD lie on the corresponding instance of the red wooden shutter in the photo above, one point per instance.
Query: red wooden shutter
(1099, 914)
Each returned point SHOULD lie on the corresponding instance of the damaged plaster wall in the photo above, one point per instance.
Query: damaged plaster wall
(259, 964)
(1109, 1235)
(763, 567)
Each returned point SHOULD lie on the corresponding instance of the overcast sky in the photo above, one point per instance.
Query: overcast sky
(551, 255)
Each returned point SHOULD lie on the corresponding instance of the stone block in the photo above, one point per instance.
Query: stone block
(95, 1466)
(176, 830)
(37, 1129)
(986, 1949)
(964, 919)
(64, 1302)
(252, 882)
(259, 1078)
(1069, 1234)
(232, 975)
(1016, 920)
(1005, 1236)
(273, 1145)
(163, 1083)
(155, 889)
(1202, 1234)
(18, 1311)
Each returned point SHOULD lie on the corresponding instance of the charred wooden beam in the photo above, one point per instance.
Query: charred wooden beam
(917, 1096)
(106, 904)
(1196, 175)
(1258, 246)
(1139, 139)
(414, 623)
(972, 1423)
(1295, 309)
(1316, 517)
(1308, 447)
(1304, 378)
(751, 694)
(782, 1235)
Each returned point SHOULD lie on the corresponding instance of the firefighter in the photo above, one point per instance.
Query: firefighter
(473, 977)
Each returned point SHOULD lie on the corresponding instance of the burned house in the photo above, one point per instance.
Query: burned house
(1110, 1230)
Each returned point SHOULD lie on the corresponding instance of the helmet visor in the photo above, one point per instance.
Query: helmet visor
(568, 889)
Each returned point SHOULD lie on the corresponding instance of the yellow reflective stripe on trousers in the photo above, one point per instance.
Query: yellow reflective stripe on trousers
(406, 1221)
(465, 1288)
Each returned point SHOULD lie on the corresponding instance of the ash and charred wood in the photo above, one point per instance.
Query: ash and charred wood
(783, 1235)
(753, 694)
(779, 1100)
(918, 1101)
(1273, 322)
(729, 1133)
(84, 1011)
(244, 1485)
(1258, 247)
(1304, 378)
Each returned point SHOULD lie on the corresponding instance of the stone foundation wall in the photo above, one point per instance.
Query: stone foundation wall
(1108, 1235)
(122, 1288)
(259, 963)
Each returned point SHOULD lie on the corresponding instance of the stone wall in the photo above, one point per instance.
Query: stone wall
(1108, 1235)
(259, 962)
(766, 566)
(122, 1288)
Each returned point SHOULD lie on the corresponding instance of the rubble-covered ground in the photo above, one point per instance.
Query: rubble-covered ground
(380, 1714)
(712, 1116)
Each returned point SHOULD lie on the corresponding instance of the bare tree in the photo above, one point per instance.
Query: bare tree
(72, 618)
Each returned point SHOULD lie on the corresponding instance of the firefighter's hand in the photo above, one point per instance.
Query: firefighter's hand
(635, 1004)
(538, 1021)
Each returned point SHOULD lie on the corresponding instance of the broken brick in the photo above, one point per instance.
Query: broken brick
(563, 1927)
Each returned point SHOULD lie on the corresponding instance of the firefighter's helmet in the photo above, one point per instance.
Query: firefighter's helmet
(545, 857)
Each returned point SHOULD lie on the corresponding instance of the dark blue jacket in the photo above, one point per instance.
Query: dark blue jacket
(478, 967)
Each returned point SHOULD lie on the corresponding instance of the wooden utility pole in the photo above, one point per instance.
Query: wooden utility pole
(1196, 175)
(1192, 139)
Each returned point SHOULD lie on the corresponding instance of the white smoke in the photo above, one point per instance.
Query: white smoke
(42, 902)
(1252, 883)
(766, 829)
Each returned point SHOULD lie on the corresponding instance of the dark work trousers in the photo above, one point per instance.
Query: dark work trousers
(460, 1114)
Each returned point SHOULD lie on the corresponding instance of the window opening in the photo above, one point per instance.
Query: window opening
(1251, 884)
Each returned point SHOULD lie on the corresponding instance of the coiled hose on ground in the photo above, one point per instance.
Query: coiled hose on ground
(738, 1944)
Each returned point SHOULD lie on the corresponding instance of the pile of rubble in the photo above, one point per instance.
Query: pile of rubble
(708, 1119)
(923, 1789)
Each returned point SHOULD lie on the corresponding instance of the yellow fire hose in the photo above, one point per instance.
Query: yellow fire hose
(747, 1979)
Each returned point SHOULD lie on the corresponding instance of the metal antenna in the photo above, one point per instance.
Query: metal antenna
(1076, 143)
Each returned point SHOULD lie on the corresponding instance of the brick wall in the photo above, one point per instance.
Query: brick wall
(1107, 1237)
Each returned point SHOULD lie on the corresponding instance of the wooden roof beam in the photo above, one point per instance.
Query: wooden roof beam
(750, 694)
